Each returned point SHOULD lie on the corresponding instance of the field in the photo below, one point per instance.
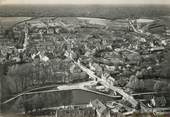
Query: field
(101, 11)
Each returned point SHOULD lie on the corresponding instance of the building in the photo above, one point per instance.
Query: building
(101, 109)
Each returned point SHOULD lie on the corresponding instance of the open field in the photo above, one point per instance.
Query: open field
(101, 11)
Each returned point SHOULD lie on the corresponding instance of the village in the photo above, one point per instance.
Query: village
(124, 57)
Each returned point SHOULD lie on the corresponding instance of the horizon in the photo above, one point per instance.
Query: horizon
(84, 2)
(85, 5)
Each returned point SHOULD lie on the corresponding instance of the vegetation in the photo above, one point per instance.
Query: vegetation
(36, 102)
(165, 66)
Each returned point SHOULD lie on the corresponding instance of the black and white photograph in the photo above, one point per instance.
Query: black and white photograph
(84, 58)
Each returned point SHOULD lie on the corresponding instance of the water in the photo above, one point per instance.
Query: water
(54, 99)
(84, 97)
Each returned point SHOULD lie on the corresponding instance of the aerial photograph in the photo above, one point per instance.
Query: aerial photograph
(84, 58)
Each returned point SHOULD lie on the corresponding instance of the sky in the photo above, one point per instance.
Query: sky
(3, 2)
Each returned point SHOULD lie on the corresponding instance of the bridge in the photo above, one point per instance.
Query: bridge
(126, 96)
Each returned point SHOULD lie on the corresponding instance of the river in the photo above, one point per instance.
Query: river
(54, 99)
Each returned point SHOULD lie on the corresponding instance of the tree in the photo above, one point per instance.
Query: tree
(165, 66)
(161, 86)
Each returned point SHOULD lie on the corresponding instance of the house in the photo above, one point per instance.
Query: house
(101, 109)
(168, 32)
(50, 30)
